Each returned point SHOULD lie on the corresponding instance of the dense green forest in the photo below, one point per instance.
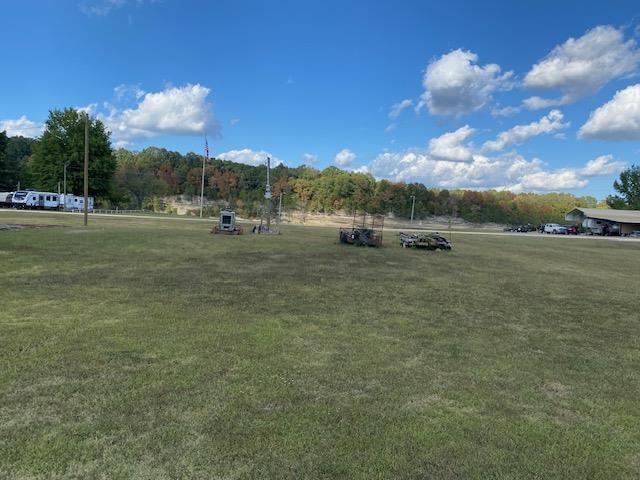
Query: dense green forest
(141, 180)
(146, 179)
(150, 178)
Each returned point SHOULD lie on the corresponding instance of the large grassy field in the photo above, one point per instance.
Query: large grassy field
(150, 349)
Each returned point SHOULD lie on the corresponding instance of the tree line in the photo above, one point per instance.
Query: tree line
(144, 179)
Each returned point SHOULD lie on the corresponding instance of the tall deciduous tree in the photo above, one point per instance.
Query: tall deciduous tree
(19, 150)
(628, 186)
(4, 168)
(63, 143)
(139, 176)
(14, 152)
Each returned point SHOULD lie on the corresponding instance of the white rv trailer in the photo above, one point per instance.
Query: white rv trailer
(75, 203)
(35, 200)
(595, 226)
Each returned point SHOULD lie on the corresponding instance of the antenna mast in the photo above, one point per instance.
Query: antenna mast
(267, 195)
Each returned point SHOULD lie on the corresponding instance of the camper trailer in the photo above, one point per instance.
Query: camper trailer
(75, 203)
(32, 199)
(595, 226)
(35, 200)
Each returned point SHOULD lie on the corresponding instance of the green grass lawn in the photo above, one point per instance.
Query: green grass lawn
(150, 349)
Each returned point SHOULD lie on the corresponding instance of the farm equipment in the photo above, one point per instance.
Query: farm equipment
(429, 241)
(363, 235)
(227, 224)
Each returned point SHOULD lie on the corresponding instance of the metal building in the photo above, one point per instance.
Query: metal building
(604, 221)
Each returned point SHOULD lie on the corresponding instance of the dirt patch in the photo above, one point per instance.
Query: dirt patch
(20, 226)
(556, 390)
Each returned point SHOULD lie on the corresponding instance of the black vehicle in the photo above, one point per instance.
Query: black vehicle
(527, 227)
(361, 236)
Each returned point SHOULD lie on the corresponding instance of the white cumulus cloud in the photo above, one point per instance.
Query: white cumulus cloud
(603, 165)
(480, 173)
(345, 157)
(618, 119)
(123, 92)
(310, 158)
(504, 111)
(21, 127)
(249, 157)
(455, 84)
(450, 146)
(518, 134)
(552, 181)
(174, 111)
(580, 66)
(509, 171)
(538, 103)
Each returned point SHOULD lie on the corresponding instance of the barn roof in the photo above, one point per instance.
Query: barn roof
(618, 216)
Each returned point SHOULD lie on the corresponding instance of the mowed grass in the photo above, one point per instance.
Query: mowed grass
(150, 349)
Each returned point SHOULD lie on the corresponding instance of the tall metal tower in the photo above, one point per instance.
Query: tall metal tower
(267, 195)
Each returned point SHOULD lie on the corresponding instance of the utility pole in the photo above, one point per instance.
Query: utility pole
(86, 167)
(64, 188)
(205, 157)
(413, 206)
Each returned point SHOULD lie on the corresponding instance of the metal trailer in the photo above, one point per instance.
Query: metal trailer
(366, 233)
(429, 241)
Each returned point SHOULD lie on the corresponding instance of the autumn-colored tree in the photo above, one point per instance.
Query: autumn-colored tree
(224, 182)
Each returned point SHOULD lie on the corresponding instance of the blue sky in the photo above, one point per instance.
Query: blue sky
(530, 95)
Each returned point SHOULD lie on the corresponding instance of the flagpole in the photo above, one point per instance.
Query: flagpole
(204, 159)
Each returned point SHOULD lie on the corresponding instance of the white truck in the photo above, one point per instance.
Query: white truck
(555, 228)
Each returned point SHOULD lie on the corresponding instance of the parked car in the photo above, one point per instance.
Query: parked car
(527, 228)
(520, 228)
(635, 234)
(572, 230)
(555, 228)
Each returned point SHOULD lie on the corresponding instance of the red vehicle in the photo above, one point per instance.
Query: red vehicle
(572, 230)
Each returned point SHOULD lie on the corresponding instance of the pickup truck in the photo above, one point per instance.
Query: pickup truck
(555, 228)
